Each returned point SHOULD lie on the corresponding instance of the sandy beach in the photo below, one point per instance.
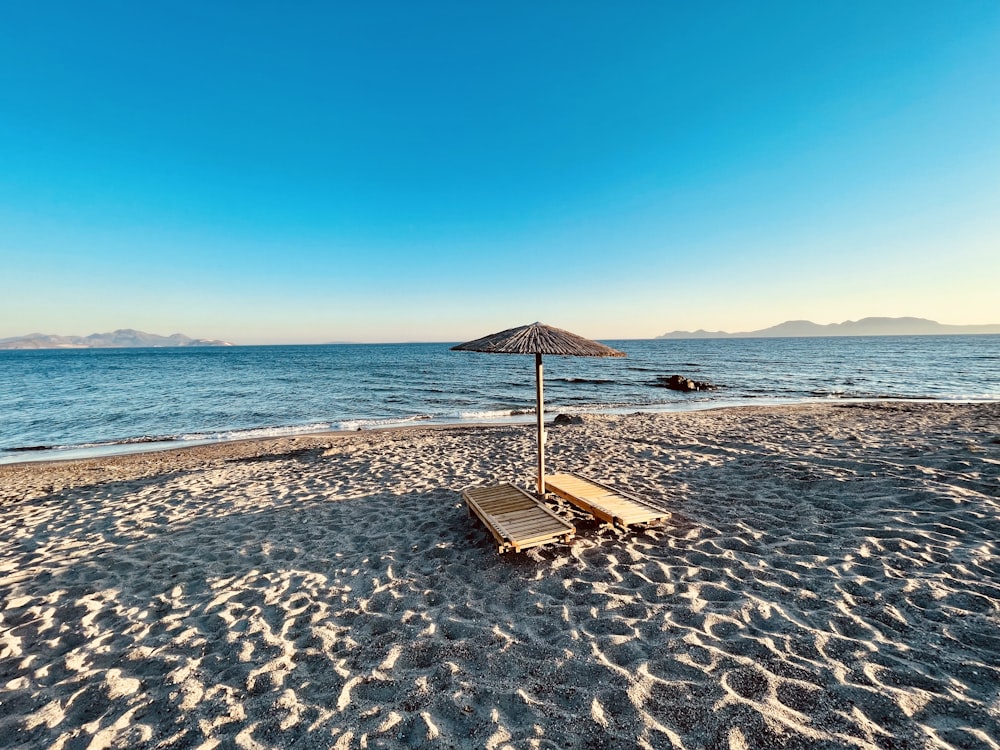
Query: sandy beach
(829, 578)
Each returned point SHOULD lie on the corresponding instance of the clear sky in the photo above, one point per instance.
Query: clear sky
(309, 172)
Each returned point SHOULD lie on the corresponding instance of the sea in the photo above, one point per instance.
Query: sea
(72, 403)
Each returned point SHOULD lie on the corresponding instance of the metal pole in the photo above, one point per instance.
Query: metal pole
(539, 376)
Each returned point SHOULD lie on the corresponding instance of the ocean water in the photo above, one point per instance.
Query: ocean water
(71, 403)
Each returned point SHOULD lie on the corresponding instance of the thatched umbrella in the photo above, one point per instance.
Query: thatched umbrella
(539, 339)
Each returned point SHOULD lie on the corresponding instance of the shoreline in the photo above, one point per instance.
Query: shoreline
(829, 577)
(140, 445)
(188, 455)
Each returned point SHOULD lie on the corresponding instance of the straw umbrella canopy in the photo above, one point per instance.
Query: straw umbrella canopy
(539, 339)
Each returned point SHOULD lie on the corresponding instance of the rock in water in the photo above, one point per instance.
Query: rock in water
(681, 383)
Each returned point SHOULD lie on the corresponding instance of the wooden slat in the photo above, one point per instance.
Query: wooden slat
(497, 509)
(526, 529)
(504, 499)
(533, 520)
(527, 524)
(521, 527)
(515, 515)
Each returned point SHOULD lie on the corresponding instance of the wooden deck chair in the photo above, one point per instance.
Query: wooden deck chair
(611, 505)
(516, 519)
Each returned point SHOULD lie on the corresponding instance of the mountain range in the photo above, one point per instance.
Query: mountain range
(863, 327)
(123, 338)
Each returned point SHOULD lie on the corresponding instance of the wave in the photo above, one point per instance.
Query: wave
(872, 396)
(494, 413)
(145, 439)
(141, 440)
(254, 432)
(374, 424)
(595, 381)
(221, 436)
(305, 429)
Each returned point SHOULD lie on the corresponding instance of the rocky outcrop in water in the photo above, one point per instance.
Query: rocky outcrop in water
(681, 383)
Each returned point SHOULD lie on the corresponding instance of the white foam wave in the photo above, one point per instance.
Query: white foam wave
(259, 432)
(494, 413)
(370, 424)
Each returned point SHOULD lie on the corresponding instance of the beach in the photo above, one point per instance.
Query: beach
(829, 578)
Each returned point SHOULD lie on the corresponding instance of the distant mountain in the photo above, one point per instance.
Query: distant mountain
(123, 338)
(863, 327)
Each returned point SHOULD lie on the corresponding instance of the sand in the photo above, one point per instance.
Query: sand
(829, 578)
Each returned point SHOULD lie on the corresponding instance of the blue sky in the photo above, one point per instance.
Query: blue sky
(269, 173)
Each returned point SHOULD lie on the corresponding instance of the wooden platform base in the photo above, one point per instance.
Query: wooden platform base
(604, 502)
(516, 519)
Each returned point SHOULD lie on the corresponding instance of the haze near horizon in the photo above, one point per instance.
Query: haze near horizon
(439, 172)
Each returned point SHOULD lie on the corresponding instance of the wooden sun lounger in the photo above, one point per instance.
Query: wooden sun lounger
(516, 519)
(606, 503)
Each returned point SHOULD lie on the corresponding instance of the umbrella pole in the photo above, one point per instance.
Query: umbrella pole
(541, 423)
